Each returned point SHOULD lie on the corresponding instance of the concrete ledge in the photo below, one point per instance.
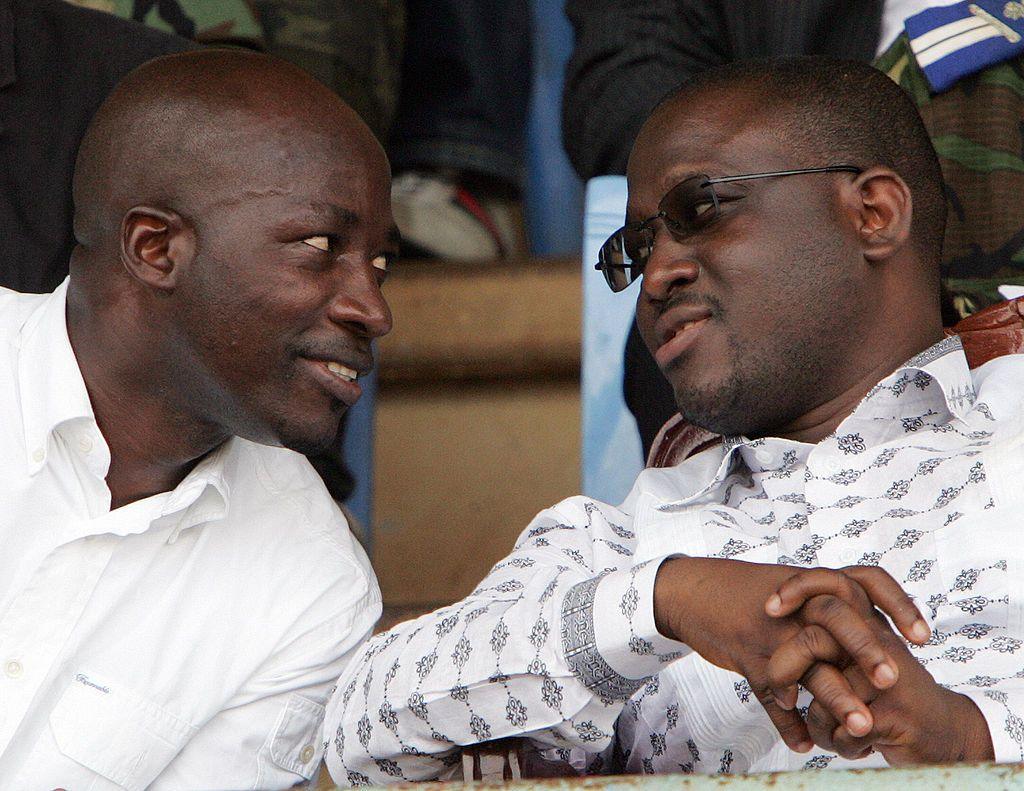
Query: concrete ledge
(483, 321)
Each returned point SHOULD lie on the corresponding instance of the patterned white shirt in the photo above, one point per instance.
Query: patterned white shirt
(925, 478)
(185, 640)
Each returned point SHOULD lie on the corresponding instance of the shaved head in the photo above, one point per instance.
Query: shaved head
(181, 124)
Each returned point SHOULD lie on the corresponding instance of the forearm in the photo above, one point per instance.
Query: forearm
(523, 655)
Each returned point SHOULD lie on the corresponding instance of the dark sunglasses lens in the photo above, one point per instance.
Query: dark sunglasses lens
(623, 256)
(689, 205)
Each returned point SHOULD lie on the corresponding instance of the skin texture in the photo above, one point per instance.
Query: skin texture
(910, 721)
(200, 304)
(807, 284)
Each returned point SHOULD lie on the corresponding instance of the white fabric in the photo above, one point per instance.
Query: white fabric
(895, 13)
(923, 479)
(187, 640)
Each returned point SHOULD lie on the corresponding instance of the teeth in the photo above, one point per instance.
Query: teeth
(340, 370)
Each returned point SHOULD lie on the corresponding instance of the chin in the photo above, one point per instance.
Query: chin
(312, 438)
(720, 409)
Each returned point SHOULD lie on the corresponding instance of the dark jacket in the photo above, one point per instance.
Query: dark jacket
(57, 64)
(629, 54)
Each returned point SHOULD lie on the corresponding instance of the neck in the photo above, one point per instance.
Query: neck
(823, 419)
(153, 445)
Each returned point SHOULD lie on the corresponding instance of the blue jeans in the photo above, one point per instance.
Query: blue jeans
(466, 79)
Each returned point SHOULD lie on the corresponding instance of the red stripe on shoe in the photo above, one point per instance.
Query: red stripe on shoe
(464, 199)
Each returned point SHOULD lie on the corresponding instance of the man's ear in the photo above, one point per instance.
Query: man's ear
(157, 246)
(882, 211)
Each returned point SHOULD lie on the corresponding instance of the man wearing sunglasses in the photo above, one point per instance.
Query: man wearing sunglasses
(786, 221)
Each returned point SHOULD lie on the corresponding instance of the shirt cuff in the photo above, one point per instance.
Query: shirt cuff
(609, 636)
(1005, 726)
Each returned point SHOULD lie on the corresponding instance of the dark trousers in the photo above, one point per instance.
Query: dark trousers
(466, 77)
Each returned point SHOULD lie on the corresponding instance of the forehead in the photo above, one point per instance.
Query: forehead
(287, 164)
(717, 138)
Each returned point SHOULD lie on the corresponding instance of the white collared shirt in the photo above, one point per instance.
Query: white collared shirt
(925, 478)
(186, 640)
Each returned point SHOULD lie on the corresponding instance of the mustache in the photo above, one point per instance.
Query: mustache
(361, 354)
(709, 301)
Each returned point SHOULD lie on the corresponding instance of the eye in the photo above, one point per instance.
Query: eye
(319, 242)
(381, 263)
(700, 209)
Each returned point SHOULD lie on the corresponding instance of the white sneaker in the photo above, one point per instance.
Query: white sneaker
(439, 218)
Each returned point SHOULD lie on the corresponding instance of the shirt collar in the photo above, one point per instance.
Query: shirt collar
(53, 393)
(205, 493)
(49, 379)
(944, 365)
(934, 385)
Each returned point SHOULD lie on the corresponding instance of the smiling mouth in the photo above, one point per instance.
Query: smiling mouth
(678, 340)
(342, 371)
(686, 326)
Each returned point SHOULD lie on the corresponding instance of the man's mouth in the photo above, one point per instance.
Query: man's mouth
(342, 371)
(338, 379)
(678, 330)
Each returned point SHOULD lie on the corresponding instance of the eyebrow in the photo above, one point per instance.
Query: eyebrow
(339, 214)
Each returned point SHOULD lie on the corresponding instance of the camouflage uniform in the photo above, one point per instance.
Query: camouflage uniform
(977, 128)
(205, 21)
(354, 46)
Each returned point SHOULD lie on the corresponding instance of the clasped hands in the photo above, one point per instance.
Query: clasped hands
(823, 629)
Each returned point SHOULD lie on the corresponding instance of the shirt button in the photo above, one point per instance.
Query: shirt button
(13, 669)
(84, 443)
(847, 556)
(307, 754)
(38, 455)
(832, 465)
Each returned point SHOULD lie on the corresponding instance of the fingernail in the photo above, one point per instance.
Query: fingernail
(885, 675)
(857, 723)
(920, 631)
(804, 747)
(774, 604)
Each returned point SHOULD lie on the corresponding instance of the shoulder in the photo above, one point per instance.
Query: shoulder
(15, 308)
(999, 389)
(282, 518)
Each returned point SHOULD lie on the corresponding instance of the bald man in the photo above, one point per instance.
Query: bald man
(178, 592)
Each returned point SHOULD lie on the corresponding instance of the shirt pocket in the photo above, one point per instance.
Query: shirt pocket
(126, 739)
(296, 745)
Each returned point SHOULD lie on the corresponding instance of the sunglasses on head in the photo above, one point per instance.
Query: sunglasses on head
(686, 208)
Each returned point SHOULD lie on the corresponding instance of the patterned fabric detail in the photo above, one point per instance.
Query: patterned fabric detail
(904, 484)
(933, 353)
(580, 649)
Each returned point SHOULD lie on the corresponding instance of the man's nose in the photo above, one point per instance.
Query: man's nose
(671, 265)
(360, 304)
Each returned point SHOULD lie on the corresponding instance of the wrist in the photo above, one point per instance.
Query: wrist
(676, 590)
(666, 605)
(975, 742)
